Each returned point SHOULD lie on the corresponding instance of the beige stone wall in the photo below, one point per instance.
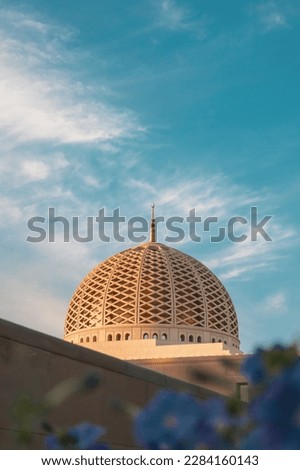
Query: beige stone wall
(155, 349)
(32, 363)
(219, 373)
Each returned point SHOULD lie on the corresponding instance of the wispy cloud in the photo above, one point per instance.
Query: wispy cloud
(211, 194)
(250, 257)
(237, 272)
(171, 16)
(274, 20)
(272, 15)
(41, 100)
(275, 304)
(12, 19)
(45, 109)
(10, 211)
(34, 170)
(30, 167)
(91, 181)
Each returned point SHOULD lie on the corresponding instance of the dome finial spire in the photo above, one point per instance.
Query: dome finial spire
(152, 224)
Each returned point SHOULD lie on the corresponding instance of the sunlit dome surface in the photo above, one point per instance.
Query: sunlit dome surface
(149, 291)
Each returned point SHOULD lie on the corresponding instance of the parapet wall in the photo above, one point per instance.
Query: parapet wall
(32, 363)
(154, 349)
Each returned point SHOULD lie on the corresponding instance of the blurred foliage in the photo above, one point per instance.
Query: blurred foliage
(30, 415)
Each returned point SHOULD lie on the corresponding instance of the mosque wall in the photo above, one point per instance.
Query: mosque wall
(32, 363)
(217, 372)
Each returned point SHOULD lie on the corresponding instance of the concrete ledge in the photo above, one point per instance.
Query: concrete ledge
(42, 341)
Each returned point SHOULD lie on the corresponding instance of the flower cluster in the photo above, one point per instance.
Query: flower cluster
(177, 420)
(275, 408)
(83, 436)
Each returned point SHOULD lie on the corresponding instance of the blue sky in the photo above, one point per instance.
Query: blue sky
(192, 104)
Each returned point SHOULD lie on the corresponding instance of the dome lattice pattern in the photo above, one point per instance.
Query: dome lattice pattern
(152, 284)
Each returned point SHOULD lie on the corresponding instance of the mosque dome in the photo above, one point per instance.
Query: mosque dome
(152, 291)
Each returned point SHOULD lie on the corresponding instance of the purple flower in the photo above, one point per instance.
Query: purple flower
(268, 437)
(254, 368)
(280, 401)
(262, 366)
(275, 412)
(83, 436)
(174, 420)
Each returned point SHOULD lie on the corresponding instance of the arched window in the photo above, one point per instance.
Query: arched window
(109, 337)
(182, 338)
(127, 336)
(213, 340)
(164, 336)
(155, 336)
(118, 337)
(145, 336)
(220, 341)
(199, 339)
(94, 339)
(191, 338)
(87, 340)
(81, 340)
(225, 342)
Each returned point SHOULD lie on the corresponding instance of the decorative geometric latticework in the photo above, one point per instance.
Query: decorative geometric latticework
(233, 322)
(155, 293)
(152, 284)
(86, 306)
(120, 301)
(189, 302)
(221, 314)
